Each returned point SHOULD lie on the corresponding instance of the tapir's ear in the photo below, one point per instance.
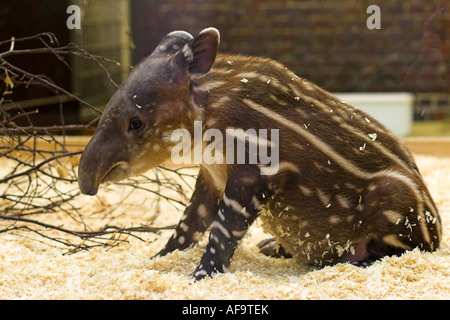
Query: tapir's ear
(204, 50)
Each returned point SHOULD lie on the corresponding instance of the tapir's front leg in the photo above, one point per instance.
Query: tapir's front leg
(197, 217)
(238, 209)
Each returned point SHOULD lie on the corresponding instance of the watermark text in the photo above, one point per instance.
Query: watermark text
(74, 20)
(214, 147)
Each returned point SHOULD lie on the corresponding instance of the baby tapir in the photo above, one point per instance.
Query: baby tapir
(341, 188)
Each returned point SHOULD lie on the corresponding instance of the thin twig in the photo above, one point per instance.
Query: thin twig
(36, 184)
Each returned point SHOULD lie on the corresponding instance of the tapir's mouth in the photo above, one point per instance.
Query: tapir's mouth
(117, 172)
(89, 183)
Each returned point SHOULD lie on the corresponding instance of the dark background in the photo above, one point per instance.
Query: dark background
(326, 41)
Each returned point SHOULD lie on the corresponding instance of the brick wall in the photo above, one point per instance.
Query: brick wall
(326, 41)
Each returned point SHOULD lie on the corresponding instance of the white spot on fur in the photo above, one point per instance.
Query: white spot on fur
(219, 226)
(201, 210)
(342, 201)
(394, 241)
(184, 227)
(334, 219)
(392, 216)
(236, 206)
(220, 102)
(221, 216)
(324, 198)
(238, 234)
(305, 190)
(246, 75)
(283, 166)
(208, 86)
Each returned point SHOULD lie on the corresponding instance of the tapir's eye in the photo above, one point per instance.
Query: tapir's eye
(136, 124)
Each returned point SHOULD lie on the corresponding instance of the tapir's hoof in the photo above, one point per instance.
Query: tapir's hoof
(271, 248)
(364, 264)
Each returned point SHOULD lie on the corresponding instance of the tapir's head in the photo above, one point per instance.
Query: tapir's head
(133, 133)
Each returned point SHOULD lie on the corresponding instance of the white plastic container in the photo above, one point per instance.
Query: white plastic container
(394, 110)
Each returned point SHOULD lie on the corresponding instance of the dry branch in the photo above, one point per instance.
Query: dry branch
(40, 178)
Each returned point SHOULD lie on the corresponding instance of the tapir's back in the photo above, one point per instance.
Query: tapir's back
(251, 92)
(333, 158)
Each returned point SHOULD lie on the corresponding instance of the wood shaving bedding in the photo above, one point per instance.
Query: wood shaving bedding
(32, 270)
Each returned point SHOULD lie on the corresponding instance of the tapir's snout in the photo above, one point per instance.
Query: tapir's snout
(101, 161)
(90, 190)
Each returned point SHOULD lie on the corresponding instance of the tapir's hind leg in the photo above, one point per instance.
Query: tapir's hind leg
(397, 215)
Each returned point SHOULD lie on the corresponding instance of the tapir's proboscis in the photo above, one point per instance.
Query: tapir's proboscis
(344, 188)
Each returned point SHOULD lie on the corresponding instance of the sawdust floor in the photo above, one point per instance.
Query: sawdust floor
(32, 270)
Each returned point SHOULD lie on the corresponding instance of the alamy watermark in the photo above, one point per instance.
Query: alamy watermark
(215, 147)
(74, 20)
(374, 20)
